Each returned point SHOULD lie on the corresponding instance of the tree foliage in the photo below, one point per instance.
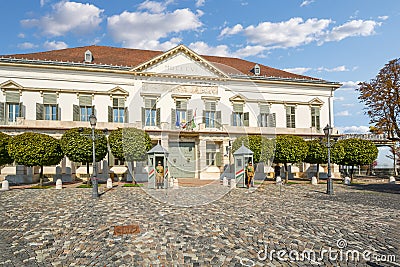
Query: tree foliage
(262, 147)
(317, 152)
(382, 98)
(290, 149)
(130, 144)
(78, 147)
(35, 149)
(5, 158)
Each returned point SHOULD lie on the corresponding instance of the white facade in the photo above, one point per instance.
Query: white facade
(178, 76)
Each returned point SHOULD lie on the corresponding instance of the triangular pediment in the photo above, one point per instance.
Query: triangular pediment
(10, 84)
(118, 91)
(316, 101)
(238, 98)
(180, 61)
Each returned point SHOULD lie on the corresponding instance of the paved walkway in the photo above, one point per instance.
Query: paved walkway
(67, 228)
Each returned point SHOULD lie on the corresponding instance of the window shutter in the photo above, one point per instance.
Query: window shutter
(85, 100)
(259, 122)
(147, 103)
(246, 119)
(181, 104)
(58, 110)
(173, 118)
(49, 98)
(39, 111)
(204, 116)
(189, 115)
(2, 113)
(21, 110)
(158, 117)
(238, 108)
(121, 102)
(218, 119)
(12, 97)
(110, 114)
(218, 159)
(126, 115)
(211, 105)
(75, 113)
(143, 117)
(288, 117)
(272, 120)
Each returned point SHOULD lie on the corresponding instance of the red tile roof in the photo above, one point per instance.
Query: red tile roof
(134, 57)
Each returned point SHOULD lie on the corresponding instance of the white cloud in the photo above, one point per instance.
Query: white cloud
(153, 6)
(204, 49)
(27, 45)
(348, 105)
(144, 30)
(249, 50)
(336, 69)
(43, 2)
(353, 129)
(54, 45)
(231, 31)
(200, 3)
(383, 17)
(21, 35)
(343, 113)
(306, 3)
(299, 70)
(68, 17)
(349, 86)
(338, 98)
(352, 28)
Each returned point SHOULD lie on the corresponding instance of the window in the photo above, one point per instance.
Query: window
(50, 112)
(85, 108)
(211, 117)
(257, 70)
(88, 56)
(85, 112)
(213, 156)
(181, 117)
(13, 111)
(118, 110)
(291, 117)
(150, 113)
(49, 109)
(263, 117)
(239, 118)
(315, 121)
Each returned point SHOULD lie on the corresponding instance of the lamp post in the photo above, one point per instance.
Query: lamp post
(95, 191)
(329, 185)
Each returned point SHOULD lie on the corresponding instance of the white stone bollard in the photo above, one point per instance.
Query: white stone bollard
(278, 180)
(314, 180)
(347, 180)
(171, 182)
(233, 183)
(59, 184)
(5, 185)
(225, 181)
(109, 183)
(392, 180)
(176, 183)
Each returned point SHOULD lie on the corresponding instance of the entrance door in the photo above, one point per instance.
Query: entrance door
(181, 160)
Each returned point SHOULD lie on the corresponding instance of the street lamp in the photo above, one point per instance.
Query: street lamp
(329, 185)
(95, 191)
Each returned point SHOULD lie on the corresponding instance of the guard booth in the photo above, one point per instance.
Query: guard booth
(155, 155)
(242, 157)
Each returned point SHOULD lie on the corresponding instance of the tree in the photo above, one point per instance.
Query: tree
(129, 144)
(77, 145)
(262, 147)
(358, 152)
(317, 154)
(290, 149)
(35, 149)
(382, 98)
(5, 158)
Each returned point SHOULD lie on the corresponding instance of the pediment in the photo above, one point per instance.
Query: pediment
(10, 84)
(316, 101)
(238, 98)
(181, 61)
(118, 91)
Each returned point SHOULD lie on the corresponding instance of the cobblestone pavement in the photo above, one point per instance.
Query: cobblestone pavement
(67, 228)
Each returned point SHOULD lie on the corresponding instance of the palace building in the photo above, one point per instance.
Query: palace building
(195, 105)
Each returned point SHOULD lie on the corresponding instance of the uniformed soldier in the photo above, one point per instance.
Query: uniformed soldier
(160, 175)
(249, 174)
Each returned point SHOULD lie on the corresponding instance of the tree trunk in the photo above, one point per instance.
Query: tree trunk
(88, 174)
(317, 173)
(286, 174)
(351, 174)
(41, 176)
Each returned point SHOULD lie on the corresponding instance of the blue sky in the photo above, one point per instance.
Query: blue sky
(336, 40)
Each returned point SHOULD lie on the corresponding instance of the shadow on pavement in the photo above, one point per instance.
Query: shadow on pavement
(384, 188)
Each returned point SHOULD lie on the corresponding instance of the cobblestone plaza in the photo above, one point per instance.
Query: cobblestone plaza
(240, 228)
